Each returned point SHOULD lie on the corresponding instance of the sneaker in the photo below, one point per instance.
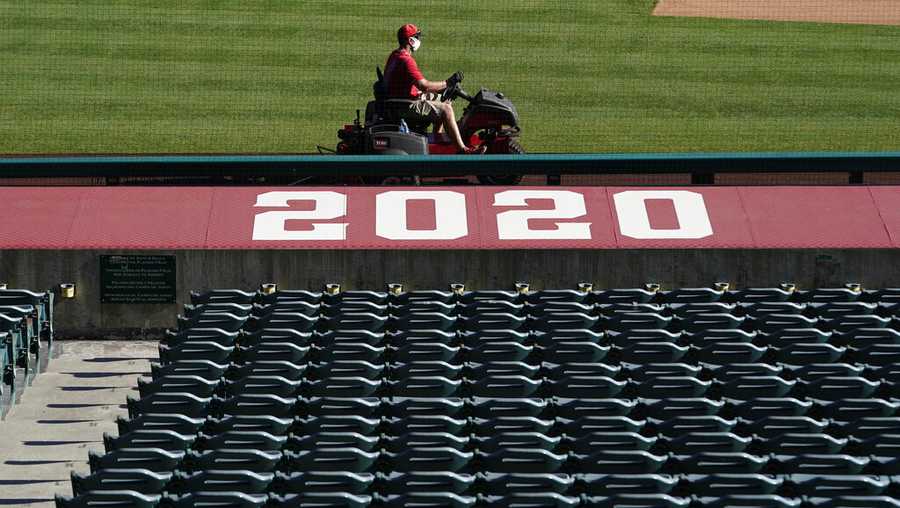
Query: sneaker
(474, 150)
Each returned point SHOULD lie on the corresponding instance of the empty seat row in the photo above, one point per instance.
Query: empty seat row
(26, 318)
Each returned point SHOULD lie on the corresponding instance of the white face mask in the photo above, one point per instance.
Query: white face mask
(415, 43)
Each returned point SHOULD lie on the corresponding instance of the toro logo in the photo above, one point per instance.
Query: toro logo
(482, 217)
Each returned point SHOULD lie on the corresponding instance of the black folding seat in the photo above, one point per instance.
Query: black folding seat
(620, 462)
(826, 295)
(322, 440)
(773, 426)
(832, 486)
(550, 296)
(561, 370)
(267, 335)
(551, 323)
(816, 371)
(470, 297)
(290, 295)
(319, 500)
(321, 481)
(286, 320)
(352, 352)
(572, 409)
(799, 444)
(350, 387)
(218, 335)
(747, 387)
(630, 337)
(771, 323)
(425, 352)
(378, 297)
(232, 460)
(339, 423)
(672, 386)
(203, 350)
(762, 309)
(248, 482)
(802, 354)
(429, 459)
(885, 445)
(638, 501)
(330, 406)
(624, 296)
(500, 424)
(398, 444)
(720, 462)
(353, 307)
(357, 321)
(634, 321)
(499, 352)
(507, 440)
(853, 409)
(224, 320)
(867, 427)
(616, 484)
(686, 309)
(693, 323)
(481, 370)
(272, 351)
(423, 306)
(186, 404)
(425, 321)
(151, 459)
(727, 484)
(694, 442)
(400, 339)
(750, 501)
(789, 336)
(649, 352)
(162, 439)
(551, 308)
(848, 323)
(588, 386)
(242, 440)
(728, 353)
(832, 310)
(840, 387)
(750, 295)
(230, 499)
(667, 408)
(474, 339)
(160, 421)
(864, 337)
(690, 295)
(588, 424)
(281, 368)
(532, 500)
(255, 404)
(594, 441)
(822, 464)
(757, 408)
(574, 351)
(681, 425)
(498, 484)
(430, 423)
(290, 306)
(492, 321)
(492, 306)
(612, 309)
(482, 407)
(522, 460)
(352, 368)
(704, 337)
(251, 423)
(217, 308)
(203, 368)
(137, 480)
(196, 385)
(879, 354)
(222, 296)
(423, 295)
(400, 407)
(427, 499)
(426, 386)
(109, 499)
(646, 372)
(731, 371)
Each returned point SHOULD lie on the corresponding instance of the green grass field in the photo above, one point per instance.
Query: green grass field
(587, 75)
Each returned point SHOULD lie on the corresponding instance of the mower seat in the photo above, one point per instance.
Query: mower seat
(391, 111)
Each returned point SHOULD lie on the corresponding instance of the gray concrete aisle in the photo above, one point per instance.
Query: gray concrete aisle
(63, 414)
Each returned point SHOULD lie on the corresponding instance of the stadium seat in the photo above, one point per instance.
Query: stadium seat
(109, 498)
(142, 481)
(247, 482)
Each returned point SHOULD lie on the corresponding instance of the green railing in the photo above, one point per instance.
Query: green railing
(703, 167)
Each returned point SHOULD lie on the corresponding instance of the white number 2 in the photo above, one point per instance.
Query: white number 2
(513, 224)
(328, 205)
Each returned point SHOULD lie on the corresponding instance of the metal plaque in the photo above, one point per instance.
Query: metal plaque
(137, 279)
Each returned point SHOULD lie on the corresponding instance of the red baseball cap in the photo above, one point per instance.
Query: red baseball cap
(408, 30)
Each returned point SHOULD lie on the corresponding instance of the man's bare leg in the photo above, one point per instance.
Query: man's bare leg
(449, 121)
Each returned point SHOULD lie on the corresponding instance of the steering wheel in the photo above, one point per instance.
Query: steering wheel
(453, 88)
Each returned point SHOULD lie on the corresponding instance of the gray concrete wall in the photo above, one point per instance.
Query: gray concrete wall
(85, 316)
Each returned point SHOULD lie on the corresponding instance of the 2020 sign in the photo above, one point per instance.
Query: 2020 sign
(325, 215)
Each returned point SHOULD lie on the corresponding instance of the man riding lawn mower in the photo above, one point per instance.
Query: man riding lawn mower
(406, 105)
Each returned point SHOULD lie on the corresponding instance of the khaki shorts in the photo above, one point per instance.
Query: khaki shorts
(427, 107)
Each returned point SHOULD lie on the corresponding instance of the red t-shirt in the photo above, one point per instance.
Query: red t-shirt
(401, 74)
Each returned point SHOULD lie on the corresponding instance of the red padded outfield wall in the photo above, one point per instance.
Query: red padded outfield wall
(162, 218)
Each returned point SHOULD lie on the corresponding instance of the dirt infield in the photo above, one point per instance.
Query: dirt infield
(864, 12)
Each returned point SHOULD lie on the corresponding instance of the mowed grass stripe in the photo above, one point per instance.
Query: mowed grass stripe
(587, 76)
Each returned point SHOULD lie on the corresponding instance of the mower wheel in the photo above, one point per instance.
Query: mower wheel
(506, 146)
